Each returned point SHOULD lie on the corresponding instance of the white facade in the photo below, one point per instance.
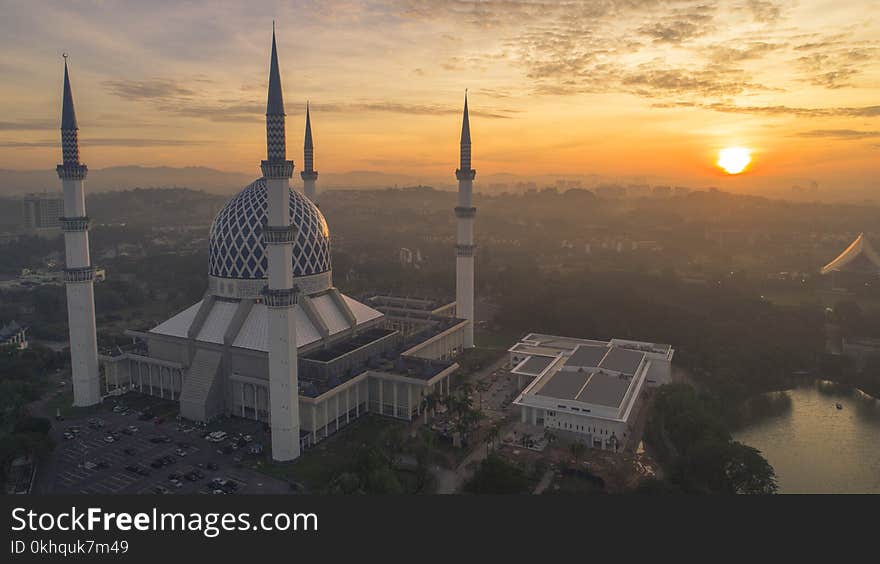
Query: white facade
(588, 388)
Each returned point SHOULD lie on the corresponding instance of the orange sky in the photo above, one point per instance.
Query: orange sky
(621, 89)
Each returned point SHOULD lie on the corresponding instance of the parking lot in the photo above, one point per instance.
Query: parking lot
(140, 447)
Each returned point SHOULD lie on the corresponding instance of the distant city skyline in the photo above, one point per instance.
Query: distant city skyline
(619, 89)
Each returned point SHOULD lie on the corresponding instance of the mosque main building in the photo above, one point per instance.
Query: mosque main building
(272, 339)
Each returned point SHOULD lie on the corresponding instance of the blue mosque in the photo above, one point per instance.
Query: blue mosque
(272, 339)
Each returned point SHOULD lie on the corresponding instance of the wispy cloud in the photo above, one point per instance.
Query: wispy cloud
(840, 134)
(107, 142)
(29, 125)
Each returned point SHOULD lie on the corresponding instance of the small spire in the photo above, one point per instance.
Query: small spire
(308, 141)
(68, 114)
(465, 124)
(275, 103)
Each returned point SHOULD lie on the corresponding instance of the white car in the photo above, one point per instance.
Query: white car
(109, 439)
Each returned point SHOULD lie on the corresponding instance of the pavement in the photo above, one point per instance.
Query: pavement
(90, 464)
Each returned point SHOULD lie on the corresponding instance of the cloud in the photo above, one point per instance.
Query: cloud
(853, 112)
(410, 109)
(29, 125)
(682, 26)
(835, 67)
(765, 11)
(840, 134)
(650, 81)
(106, 142)
(723, 54)
(153, 89)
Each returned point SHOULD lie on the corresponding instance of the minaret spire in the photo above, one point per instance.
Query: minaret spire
(464, 250)
(276, 147)
(280, 296)
(309, 174)
(69, 127)
(79, 274)
(465, 124)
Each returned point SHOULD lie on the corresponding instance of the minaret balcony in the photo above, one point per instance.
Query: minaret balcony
(279, 298)
(309, 174)
(465, 250)
(279, 235)
(273, 169)
(72, 171)
(83, 274)
(465, 212)
(465, 174)
(73, 224)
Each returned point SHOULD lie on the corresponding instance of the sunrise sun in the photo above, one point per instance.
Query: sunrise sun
(734, 160)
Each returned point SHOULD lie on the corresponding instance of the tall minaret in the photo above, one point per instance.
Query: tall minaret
(280, 295)
(309, 174)
(78, 273)
(464, 250)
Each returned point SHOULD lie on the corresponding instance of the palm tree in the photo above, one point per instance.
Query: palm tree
(482, 386)
(492, 435)
(430, 403)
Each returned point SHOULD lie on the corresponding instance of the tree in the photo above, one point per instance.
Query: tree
(697, 450)
(577, 449)
(748, 472)
(39, 425)
(496, 475)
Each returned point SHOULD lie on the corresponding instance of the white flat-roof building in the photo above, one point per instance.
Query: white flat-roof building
(586, 387)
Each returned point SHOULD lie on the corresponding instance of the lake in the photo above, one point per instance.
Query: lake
(813, 446)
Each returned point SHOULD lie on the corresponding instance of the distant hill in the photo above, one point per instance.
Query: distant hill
(14, 182)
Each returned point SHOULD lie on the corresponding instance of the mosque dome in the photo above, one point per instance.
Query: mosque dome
(238, 261)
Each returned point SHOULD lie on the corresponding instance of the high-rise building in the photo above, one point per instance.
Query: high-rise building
(42, 212)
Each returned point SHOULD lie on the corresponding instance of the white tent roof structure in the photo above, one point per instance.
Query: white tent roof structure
(859, 257)
(254, 331)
